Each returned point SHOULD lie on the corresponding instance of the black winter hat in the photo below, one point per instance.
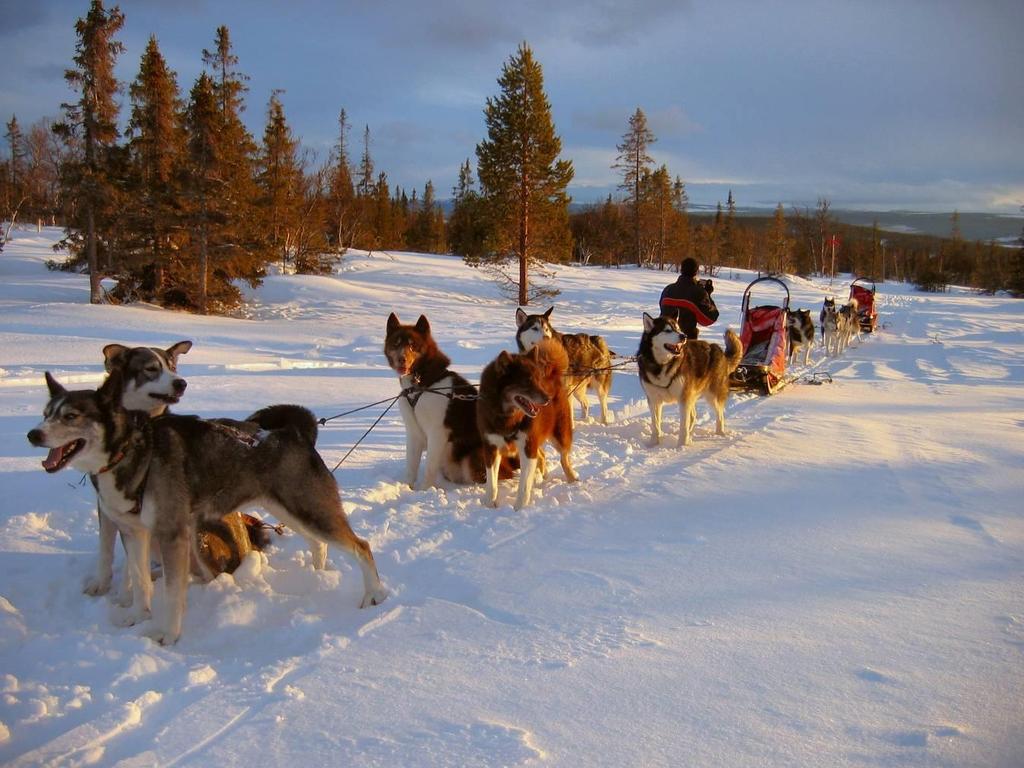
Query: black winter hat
(689, 267)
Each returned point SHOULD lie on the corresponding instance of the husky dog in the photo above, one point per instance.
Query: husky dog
(829, 305)
(801, 333)
(674, 369)
(849, 322)
(156, 478)
(523, 404)
(589, 359)
(151, 384)
(831, 337)
(437, 407)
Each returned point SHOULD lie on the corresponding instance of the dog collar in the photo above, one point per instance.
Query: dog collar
(118, 457)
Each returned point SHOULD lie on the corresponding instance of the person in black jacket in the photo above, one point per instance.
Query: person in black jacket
(689, 300)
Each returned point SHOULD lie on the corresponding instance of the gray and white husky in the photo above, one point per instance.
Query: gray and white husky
(674, 369)
(151, 383)
(157, 478)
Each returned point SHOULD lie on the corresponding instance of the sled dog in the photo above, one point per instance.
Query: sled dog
(589, 359)
(524, 404)
(151, 384)
(157, 478)
(801, 333)
(438, 408)
(829, 305)
(849, 322)
(830, 330)
(674, 369)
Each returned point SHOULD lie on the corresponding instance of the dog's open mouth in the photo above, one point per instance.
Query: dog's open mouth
(169, 399)
(527, 406)
(58, 458)
(675, 349)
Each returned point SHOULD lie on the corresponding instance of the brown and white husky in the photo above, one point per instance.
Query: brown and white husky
(438, 408)
(674, 369)
(523, 405)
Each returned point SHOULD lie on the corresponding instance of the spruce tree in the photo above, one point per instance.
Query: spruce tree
(92, 122)
(204, 181)
(780, 244)
(467, 230)
(633, 161)
(238, 238)
(14, 184)
(340, 192)
(523, 181)
(157, 153)
(280, 180)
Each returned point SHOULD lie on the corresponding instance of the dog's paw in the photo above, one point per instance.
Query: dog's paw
(162, 636)
(375, 597)
(95, 587)
(123, 599)
(131, 618)
(572, 476)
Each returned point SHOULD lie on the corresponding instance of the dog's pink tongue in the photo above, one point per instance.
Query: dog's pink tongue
(53, 458)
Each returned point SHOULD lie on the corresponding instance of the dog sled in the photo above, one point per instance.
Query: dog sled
(865, 297)
(765, 340)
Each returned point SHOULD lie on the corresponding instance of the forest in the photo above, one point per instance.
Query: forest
(172, 200)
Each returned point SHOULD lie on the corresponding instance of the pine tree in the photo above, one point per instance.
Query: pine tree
(523, 182)
(340, 192)
(657, 198)
(204, 181)
(780, 244)
(156, 151)
(467, 230)
(92, 121)
(14, 186)
(679, 235)
(365, 185)
(730, 241)
(280, 180)
(238, 238)
(634, 162)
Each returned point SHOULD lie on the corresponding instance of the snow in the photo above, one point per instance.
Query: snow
(837, 582)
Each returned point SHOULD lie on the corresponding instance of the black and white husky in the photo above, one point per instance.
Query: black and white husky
(157, 478)
(674, 369)
(800, 328)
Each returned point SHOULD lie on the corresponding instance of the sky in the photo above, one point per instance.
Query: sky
(874, 105)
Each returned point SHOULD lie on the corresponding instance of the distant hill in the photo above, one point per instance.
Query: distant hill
(973, 226)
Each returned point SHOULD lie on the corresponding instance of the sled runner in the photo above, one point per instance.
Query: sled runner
(865, 297)
(765, 341)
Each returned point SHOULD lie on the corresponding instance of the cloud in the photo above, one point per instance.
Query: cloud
(19, 16)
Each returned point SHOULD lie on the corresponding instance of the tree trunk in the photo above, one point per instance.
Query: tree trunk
(95, 289)
(203, 268)
(524, 239)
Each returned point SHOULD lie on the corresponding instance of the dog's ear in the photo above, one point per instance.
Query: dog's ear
(113, 354)
(547, 315)
(178, 349)
(55, 388)
(113, 389)
(648, 322)
(520, 317)
(423, 325)
(393, 323)
(502, 361)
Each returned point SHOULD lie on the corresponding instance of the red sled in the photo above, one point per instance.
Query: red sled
(765, 341)
(865, 297)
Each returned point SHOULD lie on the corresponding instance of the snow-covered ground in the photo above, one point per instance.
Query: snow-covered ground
(838, 582)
